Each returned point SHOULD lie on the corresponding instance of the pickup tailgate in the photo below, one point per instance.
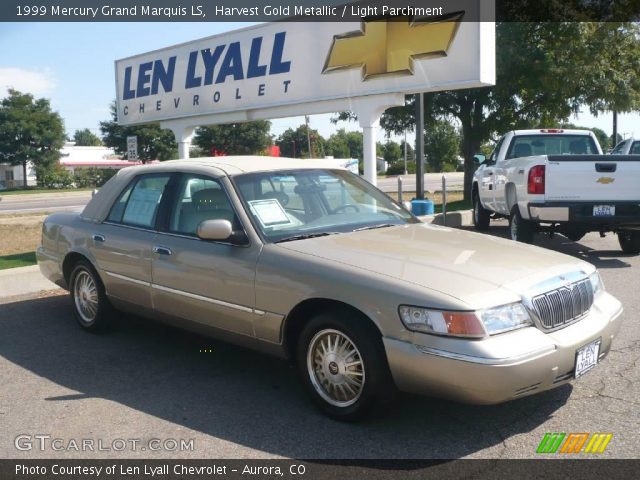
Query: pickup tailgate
(592, 177)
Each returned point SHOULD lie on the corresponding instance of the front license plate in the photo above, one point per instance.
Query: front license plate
(587, 357)
(604, 210)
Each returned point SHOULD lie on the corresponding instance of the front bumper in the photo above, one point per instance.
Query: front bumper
(482, 372)
(627, 213)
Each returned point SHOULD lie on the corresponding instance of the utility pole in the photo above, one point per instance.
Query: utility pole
(419, 153)
(615, 129)
(405, 151)
(306, 120)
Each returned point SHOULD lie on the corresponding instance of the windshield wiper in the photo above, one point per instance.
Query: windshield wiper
(372, 227)
(304, 236)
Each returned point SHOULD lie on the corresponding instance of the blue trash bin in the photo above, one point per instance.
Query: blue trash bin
(422, 207)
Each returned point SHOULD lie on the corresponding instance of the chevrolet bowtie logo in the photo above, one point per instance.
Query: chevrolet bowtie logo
(605, 180)
(383, 47)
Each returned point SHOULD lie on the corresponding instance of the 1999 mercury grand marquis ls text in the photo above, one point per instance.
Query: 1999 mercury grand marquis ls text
(316, 265)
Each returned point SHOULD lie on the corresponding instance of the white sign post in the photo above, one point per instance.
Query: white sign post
(132, 148)
(284, 69)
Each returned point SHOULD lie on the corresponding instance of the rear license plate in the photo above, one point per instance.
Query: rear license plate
(604, 210)
(587, 357)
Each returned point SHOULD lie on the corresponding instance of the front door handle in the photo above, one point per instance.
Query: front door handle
(161, 250)
(98, 238)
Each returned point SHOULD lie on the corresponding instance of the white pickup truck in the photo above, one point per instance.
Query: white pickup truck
(556, 180)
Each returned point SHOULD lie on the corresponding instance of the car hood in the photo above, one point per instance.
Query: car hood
(461, 264)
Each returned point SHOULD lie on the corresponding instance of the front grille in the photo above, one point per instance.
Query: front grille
(565, 304)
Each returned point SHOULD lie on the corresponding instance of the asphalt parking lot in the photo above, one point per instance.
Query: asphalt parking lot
(145, 381)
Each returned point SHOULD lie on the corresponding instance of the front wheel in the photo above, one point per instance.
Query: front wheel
(629, 241)
(90, 303)
(343, 366)
(520, 230)
(481, 216)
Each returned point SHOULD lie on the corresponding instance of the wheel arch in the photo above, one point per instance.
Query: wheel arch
(299, 315)
(70, 259)
(511, 196)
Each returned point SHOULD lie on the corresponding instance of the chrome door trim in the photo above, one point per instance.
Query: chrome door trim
(128, 279)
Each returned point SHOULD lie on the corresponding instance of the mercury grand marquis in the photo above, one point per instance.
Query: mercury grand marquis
(311, 263)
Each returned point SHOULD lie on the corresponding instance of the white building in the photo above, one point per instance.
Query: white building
(72, 157)
(11, 176)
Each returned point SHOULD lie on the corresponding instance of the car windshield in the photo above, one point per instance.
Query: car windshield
(530, 145)
(298, 204)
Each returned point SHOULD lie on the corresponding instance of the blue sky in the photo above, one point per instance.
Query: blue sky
(73, 65)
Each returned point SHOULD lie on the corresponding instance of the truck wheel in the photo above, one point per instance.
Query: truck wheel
(521, 230)
(480, 214)
(629, 241)
(90, 303)
(343, 365)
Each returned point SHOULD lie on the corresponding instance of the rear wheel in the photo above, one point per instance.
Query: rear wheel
(481, 217)
(520, 230)
(629, 241)
(343, 365)
(90, 303)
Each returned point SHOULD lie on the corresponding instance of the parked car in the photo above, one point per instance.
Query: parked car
(630, 146)
(556, 180)
(314, 264)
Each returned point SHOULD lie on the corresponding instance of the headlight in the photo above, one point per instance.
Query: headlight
(596, 283)
(465, 324)
(459, 324)
(505, 318)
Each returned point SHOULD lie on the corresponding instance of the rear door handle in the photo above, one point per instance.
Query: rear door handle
(98, 238)
(161, 250)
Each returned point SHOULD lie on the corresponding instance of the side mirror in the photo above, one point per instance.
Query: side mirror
(221, 231)
(479, 159)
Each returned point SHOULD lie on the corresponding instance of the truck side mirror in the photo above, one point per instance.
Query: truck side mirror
(479, 159)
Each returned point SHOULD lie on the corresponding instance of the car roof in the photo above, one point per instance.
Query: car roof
(233, 165)
(98, 207)
(552, 131)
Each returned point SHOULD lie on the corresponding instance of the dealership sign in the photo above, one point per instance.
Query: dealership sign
(298, 64)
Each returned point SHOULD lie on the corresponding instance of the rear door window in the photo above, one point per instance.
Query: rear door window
(138, 204)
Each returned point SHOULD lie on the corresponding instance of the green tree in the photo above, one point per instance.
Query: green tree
(294, 143)
(29, 132)
(337, 145)
(154, 143)
(86, 138)
(442, 146)
(247, 138)
(545, 72)
(391, 151)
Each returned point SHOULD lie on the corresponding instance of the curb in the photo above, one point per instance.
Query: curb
(23, 281)
(459, 218)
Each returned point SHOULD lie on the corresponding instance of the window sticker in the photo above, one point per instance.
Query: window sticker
(270, 212)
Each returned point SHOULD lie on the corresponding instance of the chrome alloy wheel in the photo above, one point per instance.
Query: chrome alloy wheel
(85, 294)
(335, 368)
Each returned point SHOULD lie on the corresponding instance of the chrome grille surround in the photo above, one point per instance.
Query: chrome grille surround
(563, 305)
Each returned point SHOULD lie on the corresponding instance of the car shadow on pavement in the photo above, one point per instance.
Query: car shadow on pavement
(600, 258)
(236, 395)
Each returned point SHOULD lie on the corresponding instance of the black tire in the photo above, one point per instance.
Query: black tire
(338, 394)
(629, 241)
(520, 230)
(91, 307)
(481, 216)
